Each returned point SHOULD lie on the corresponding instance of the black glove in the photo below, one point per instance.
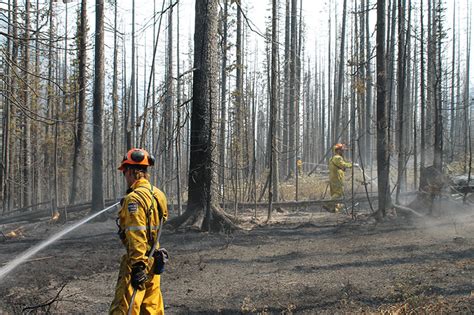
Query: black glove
(161, 258)
(138, 276)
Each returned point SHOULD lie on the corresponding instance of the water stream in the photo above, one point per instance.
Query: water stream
(35, 249)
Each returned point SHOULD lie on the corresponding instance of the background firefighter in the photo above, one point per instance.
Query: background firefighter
(299, 165)
(337, 167)
(139, 221)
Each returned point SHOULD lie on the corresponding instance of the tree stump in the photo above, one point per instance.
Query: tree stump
(432, 182)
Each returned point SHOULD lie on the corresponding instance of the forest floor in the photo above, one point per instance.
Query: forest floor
(303, 262)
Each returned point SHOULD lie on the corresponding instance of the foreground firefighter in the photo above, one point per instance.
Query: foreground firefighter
(337, 167)
(143, 210)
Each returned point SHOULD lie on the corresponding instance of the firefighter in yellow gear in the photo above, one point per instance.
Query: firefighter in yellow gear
(299, 165)
(337, 167)
(138, 220)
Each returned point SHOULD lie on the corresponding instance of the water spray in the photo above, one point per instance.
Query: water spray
(31, 251)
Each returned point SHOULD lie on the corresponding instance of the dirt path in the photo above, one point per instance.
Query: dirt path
(305, 262)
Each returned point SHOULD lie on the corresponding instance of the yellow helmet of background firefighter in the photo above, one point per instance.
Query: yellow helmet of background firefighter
(137, 157)
(339, 146)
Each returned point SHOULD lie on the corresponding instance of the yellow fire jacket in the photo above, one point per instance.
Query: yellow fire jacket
(337, 166)
(139, 219)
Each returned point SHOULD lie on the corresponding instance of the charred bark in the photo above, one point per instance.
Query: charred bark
(202, 211)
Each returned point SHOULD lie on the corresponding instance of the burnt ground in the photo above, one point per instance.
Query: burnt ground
(303, 262)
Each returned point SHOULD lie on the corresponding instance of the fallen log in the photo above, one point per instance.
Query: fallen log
(306, 203)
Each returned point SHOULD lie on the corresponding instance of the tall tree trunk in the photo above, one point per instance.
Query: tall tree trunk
(458, 131)
(55, 161)
(330, 137)
(239, 139)
(26, 155)
(362, 77)
(81, 113)
(273, 165)
(292, 99)
(136, 126)
(401, 79)
(452, 109)
(178, 118)
(390, 60)
(49, 99)
(202, 212)
(354, 99)
(98, 109)
(430, 80)
(415, 118)
(65, 69)
(9, 123)
(169, 101)
(153, 148)
(298, 96)
(408, 94)
(126, 140)
(222, 135)
(368, 91)
(422, 93)
(466, 100)
(35, 180)
(286, 93)
(383, 158)
(340, 81)
(55, 113)
(323, 132)
(437, 84)
(131, 136)
(115, 130)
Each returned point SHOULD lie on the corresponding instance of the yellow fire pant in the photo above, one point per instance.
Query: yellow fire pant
(147, 301)
(337, 192)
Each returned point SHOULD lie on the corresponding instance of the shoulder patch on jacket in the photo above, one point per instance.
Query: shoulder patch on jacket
(132, 207)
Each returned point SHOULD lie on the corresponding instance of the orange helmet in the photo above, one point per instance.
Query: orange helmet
(339, 146)
(137, 157)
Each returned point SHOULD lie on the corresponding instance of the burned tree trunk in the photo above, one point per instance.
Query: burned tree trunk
(401, 86)
(79, 135)
(98, 111)
(340, 80)
(202, 211)
(383, 158)
(437, 94)
(26, 132)
(223, 100)
(292, 98)
(168, 107)
(273, 163)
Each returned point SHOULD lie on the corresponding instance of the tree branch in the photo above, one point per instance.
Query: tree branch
(45, 304)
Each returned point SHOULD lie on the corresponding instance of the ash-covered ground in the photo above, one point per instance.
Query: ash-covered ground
(302, 262)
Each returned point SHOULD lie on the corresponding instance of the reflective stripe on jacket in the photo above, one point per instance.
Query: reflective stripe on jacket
(141, 228)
